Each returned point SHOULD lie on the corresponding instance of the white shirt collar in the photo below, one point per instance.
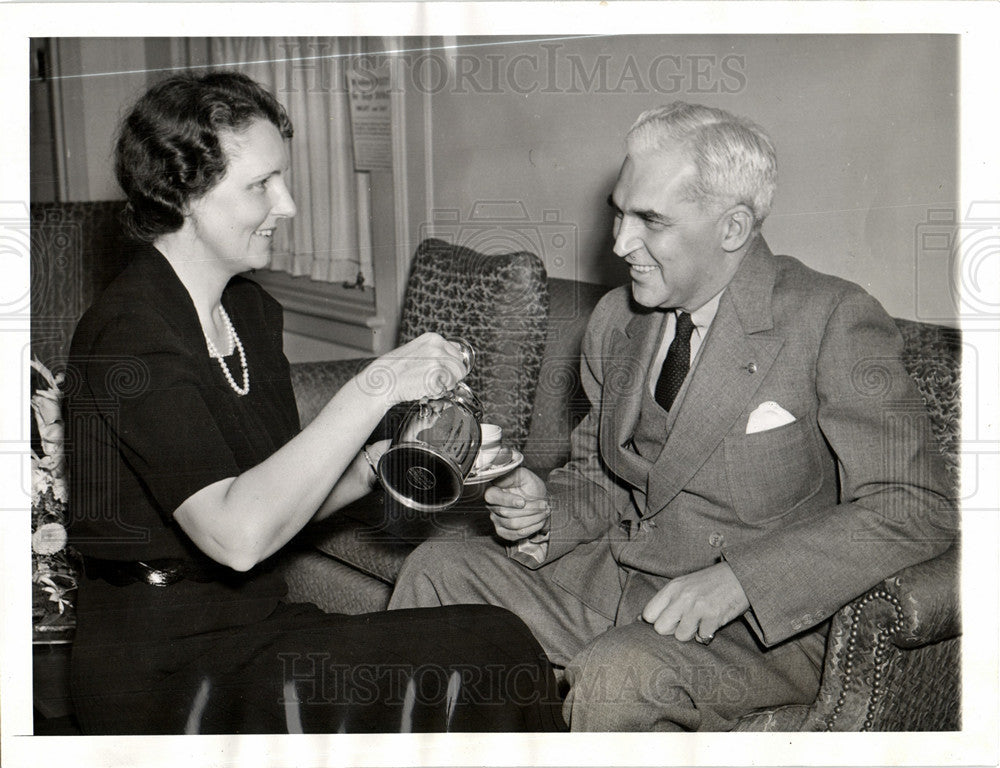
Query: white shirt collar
(705, 314)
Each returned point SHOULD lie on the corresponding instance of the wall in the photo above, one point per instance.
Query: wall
(865, 126)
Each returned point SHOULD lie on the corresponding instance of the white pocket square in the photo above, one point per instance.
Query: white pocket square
(767, 416)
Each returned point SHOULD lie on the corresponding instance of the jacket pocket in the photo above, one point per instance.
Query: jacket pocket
(771, 473)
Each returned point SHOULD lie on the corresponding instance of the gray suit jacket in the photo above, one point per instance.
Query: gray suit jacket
(810, 514)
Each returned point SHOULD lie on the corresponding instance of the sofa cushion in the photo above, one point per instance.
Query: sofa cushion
(375, 534)
(315, 383)
(313, 577)
(498, 303)
(560, 402)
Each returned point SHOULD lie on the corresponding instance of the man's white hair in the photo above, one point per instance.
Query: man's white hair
(734, 158)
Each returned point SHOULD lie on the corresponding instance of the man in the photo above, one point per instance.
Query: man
(736, 480)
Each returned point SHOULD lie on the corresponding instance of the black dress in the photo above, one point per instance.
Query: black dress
(151, 420)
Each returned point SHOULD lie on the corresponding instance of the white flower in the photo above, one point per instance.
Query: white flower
(59, 488)
(57, 593)
(41, 478)
(53, 463)
(54, 381)
(47, 471)
(48, 539)
(45, 403)
(51, 570)
(49, 421)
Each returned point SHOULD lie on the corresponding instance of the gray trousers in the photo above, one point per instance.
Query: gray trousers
(625, 677)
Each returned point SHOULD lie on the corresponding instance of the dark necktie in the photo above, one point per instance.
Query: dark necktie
(678, 361)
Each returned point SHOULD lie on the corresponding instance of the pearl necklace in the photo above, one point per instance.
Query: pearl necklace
(213, 352)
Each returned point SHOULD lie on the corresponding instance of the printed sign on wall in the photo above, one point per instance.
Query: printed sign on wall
(371, 119)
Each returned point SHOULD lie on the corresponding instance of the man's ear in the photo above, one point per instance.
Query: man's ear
(737, 227)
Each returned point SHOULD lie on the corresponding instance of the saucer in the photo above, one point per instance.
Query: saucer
(495, 470)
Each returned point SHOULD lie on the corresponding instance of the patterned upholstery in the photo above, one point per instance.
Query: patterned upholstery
(315, 383)
(932, 355)
(892, 661)
(499, 304)
(76, 250)
(314, 577)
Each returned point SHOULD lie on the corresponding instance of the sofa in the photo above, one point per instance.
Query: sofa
(893, 654)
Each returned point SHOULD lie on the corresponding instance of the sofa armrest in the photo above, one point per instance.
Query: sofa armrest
(928, 600)
(892, 657)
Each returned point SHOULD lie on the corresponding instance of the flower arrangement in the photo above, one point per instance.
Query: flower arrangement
(53, 573)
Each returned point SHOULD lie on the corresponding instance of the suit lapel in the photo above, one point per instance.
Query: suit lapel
(734, 361)
(624, 377)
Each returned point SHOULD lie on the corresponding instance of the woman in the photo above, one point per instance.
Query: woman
(189, 472)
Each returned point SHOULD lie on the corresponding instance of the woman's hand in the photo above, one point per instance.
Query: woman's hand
(428, 366)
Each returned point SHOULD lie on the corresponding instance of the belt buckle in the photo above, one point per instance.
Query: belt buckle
(156, 576)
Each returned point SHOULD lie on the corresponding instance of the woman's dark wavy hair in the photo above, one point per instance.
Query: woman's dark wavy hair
(168, 150)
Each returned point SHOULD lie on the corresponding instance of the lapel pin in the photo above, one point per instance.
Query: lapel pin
(751, 367)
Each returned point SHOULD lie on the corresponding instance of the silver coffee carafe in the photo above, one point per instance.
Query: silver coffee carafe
(434, 448)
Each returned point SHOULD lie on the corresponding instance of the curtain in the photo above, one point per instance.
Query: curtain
(329, 238)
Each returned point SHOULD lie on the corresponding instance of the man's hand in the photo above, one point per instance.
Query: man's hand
(696, 605)
(519, 504)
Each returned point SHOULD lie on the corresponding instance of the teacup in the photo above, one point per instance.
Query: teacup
(490, 446)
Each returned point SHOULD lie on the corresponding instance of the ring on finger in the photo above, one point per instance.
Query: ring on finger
(703, 640)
